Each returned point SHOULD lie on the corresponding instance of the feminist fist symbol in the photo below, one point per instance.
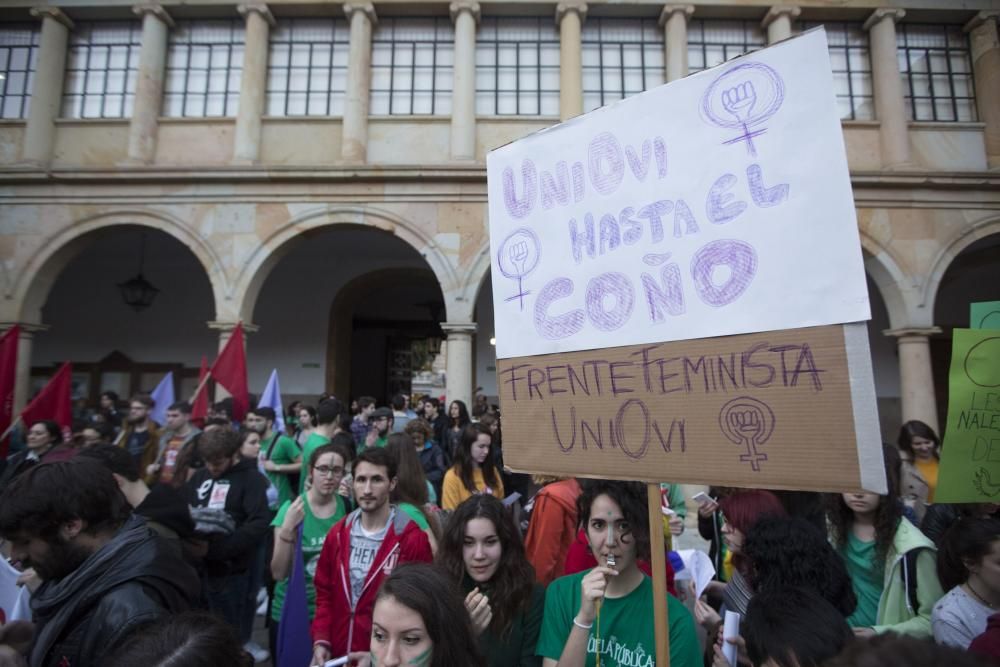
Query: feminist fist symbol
(749, 422)
(743, 97)
(517, 257)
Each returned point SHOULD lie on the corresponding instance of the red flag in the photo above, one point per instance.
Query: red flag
(230, 370)
(8, 371)
(199, 409)
(53, 401)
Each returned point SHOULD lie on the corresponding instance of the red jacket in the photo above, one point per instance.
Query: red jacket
(336, 623)
(552, 529)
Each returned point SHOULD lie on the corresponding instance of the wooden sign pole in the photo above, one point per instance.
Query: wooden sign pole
(659, 567)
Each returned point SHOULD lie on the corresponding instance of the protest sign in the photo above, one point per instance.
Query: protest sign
(638, 251)
(718, 204)
(970, 452)
(984, 315)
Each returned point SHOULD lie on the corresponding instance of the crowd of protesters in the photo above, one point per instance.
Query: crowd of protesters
(393, 534)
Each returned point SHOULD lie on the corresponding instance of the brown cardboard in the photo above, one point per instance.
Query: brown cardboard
(661, 412)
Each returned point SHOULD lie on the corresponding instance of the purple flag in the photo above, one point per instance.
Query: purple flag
(294, 643)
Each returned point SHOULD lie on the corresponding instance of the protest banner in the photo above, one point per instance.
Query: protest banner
(639, 255)
(970, 453)
(672, 275)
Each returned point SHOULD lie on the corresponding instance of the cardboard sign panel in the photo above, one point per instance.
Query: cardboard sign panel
(715, 205)
(790, 409)
(970, 452)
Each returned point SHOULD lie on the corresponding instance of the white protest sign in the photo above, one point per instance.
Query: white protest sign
(718, 204)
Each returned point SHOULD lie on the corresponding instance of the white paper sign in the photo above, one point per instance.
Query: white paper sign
(715, 205)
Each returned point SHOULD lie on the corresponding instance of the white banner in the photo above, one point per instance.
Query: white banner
(714, 205)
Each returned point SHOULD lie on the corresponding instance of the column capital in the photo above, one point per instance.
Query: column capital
(227, 327)
(459, 328)
(53, 13)
(895, 15)
(367, 8)
(780, 10)
(460, 6)
(156, 10)
(904, 333)
(669, 10)
(28, 329)
(982, 17)
(564, 8)
(259, 8)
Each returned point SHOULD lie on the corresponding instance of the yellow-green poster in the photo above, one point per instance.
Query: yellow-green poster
(970, 456)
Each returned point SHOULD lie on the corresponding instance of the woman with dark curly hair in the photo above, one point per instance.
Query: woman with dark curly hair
(603, 614)
(482, 550)
(969, 568)
(920, 450)
(887, 557)
(790, 552)
(419, 620)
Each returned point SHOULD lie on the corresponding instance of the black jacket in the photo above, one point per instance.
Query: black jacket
(134, 579)
(245, 504)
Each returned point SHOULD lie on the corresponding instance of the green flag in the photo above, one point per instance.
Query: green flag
(970, 455)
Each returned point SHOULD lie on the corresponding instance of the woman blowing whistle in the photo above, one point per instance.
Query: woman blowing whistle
(602, 617)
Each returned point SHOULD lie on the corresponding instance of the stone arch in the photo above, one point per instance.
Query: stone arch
(31, 288)
(949, 252)
(463, 309)
(277, 245)
(341, 331)
(884, 271)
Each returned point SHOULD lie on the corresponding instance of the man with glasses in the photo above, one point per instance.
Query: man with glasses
(140, 436)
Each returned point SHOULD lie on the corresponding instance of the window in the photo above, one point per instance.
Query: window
(18, 52)
(307, 67)
(852, 68)
(412, 66)
(517, 67)
(621, 57)
(937, 72)
(101, 67)
(204, 63)
(713, 42)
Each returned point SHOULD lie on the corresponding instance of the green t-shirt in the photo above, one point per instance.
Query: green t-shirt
(284, 451)
(626, 631)
(866, 579)
(414, 513)
(314, 532)
(314, 441)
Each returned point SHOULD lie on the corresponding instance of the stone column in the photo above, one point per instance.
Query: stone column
(916, 381)
(778, 22)
(22, 372)
(890, 103)
(569, 17)
(149, 84)
(354, 142)
(253, 83)
(674, 21)
(465, 14)
(982, 31)
(459, 370)
(46, 92)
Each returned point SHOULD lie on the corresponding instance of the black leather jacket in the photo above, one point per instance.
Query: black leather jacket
(134, 579)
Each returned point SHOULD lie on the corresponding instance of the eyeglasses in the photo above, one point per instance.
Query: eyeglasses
(334, 471)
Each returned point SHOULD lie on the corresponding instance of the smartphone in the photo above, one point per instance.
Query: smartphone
(702, 498)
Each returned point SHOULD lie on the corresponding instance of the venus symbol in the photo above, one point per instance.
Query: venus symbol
(748, 422)
(517, 257)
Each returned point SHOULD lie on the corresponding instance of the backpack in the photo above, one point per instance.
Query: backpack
(910, 582)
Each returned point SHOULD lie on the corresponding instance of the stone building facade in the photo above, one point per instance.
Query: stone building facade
(317, 171)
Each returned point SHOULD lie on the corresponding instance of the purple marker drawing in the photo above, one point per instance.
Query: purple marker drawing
(741, 98)
(517, 257)
(749, 422)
